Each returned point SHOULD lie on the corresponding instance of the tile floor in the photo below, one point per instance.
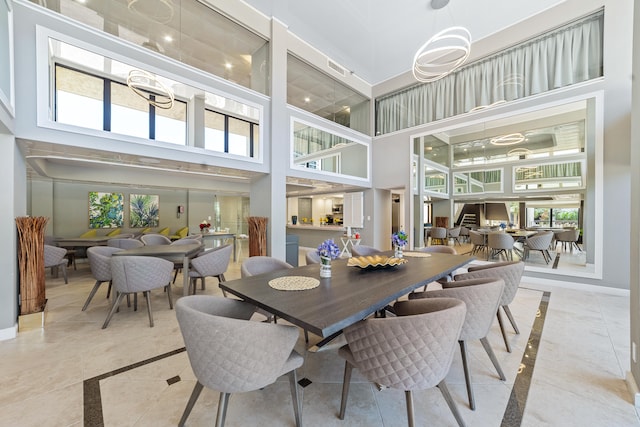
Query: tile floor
(73, 373)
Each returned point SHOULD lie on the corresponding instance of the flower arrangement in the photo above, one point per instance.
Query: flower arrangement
(329, 249)
(204, 224)
(399, 238)
(503, 225)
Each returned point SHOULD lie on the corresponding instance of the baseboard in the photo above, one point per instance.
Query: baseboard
(9, 333)
(632, 386)
(539, 281)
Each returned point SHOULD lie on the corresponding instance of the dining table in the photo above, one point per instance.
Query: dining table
(85, 242)
(351, 293)
(178, 254)
(222, 235)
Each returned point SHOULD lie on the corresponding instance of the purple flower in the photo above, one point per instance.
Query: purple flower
(329, 249)
(399, 238)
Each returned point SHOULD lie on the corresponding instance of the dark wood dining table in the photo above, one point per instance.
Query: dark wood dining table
(349, 295)
(180, 254)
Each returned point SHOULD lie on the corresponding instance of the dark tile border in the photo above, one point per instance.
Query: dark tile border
(93, 416)
(518, 399)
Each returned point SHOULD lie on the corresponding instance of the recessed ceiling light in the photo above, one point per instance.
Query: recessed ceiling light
(307, 99)
(228, 65)
(168, 38)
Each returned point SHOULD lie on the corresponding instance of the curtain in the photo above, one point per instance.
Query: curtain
(558, 170)
(566, 56)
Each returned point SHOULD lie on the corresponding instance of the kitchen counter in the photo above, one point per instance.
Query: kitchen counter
(312, 235)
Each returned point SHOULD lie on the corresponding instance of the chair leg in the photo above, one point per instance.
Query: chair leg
(511, 319)
(346, 381)
(452, 405)
(109, 289)
(222, 409)
(202, 283)
(168, 290)
(408, 397)
(220, 280)
(63, 266)
(114, 307)
(297, 410)
(306, 336)
(492, 356)
(147, 295)
(467, 374)
(91, 294)
(502, 330)
(175, 275)
(190, 404)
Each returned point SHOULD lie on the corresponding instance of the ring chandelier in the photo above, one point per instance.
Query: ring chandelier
(442, 54)
(148, 87)
(160, 11)
(511, 139)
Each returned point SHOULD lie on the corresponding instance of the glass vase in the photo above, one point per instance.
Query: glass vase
(398, 252)
(325, 266)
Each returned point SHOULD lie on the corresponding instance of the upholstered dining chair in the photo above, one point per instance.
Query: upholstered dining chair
(509, 271)
(499, 242)
(124, 243)
(155, 239)
(481, 297)
(231, 354)
(464, 233)
(364, 250)
(55, 258)
(479, 242)
(164, 231)
(438, 235)
(454, 234)
(177, 266)
(439, 249)
(569, 238)
(133, 274)
(211, 263)
(100, 265)
(312, 257)
(412, 351)
(180, 233)
(538, 242)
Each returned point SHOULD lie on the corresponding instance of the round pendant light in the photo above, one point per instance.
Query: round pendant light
(442, 54)
(147, 86)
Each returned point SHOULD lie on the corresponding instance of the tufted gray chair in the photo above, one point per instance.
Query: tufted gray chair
(439, 249)
(211, 263)
(155, 239)
(126, 243)
(312, 257)
(539, 242)
(438, 235)
(481, 297)
(132, 274)
(454, 233)
(261, 264)
(231, 354)
(569, 237)
(464, 233)
(54, 257)
(177, 266)
(427, 330)
(511, 273)
(100, 264)
(500, 242)
(363, 250)
(479, 242)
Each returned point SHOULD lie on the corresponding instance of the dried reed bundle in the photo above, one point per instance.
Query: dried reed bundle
(31, 263)
(257, 235)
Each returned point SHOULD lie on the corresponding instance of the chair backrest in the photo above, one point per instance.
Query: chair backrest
(454, 232)
(312, 257)
(509, 271)
(140, 273)
(261, 264)
(481, 296)
(100, 261)
(164, 231)
(438, 233)
(439, 249)
(53, 255)
(197, 237)
(213, 262)
(540, 241)
(476, 238)
(464, 231)
(90, 233)
(114, 232)
(182, 232)
(363, 250)
(155, 239)
(124, 243)
(228, 352)
(500, 240)
(570, 235)
(428, 330)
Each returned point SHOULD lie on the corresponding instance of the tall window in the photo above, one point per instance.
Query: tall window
(79, 99)
(227, 134)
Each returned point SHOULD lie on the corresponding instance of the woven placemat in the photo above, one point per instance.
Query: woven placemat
(417, 254)
(294, 283)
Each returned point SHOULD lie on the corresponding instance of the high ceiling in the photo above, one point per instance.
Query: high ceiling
(377, 39)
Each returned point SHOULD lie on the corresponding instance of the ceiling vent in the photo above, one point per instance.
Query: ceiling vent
(335, 67)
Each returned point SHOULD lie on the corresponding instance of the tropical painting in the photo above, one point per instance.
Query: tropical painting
(105, 210)
(144, 210)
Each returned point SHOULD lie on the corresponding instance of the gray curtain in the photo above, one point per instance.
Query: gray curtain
(568, 55)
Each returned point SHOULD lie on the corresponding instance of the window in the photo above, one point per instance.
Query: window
(489, 181)
(214, 131)
(227, 134)
(79, 98)
(435, 181)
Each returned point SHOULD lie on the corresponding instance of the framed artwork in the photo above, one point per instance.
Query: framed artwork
(106, 210)
(144, 210)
